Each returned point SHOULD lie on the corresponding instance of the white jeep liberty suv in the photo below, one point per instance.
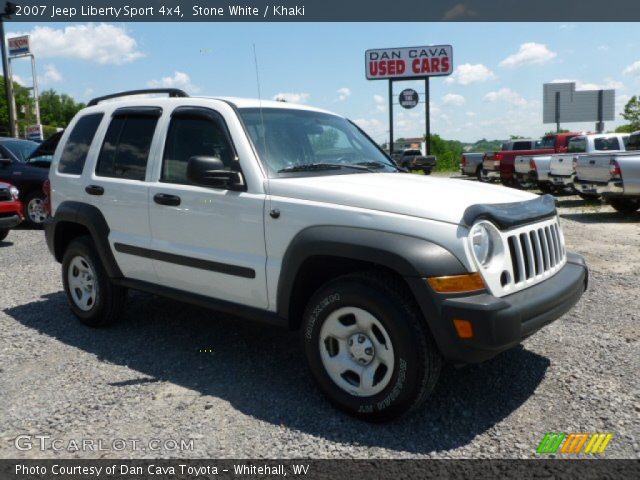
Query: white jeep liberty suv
(293, 216)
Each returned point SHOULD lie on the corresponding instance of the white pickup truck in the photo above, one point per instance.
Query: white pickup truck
(293, 216)
(614, 176)
(561, 165)
(530, 170)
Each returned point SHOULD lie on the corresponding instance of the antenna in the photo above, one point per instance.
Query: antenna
(264, 131)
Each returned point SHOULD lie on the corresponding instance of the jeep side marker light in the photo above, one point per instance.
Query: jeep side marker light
(463, 328)
(470, 282)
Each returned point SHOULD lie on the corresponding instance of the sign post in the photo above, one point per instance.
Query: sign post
(409, 63)
(19, 48)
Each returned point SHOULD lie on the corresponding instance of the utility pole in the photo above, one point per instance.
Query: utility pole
(9, 10)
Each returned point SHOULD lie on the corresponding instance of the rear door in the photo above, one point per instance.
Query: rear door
(118, 187)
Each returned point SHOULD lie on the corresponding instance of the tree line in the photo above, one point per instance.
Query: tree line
(56, 109)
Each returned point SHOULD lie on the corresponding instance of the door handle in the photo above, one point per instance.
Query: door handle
(166, 199)
(94, 189)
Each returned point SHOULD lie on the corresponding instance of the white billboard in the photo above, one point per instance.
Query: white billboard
(576, 105)
(19, 45)
(409, 62)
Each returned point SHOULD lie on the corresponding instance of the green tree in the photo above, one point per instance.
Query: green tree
(631, 113)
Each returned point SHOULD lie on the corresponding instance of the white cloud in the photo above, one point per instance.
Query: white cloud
(467, 73)
(633, 69)
(18, 79)
(506, 95)
(292, 97)
(530, 53)
(100, 43)
(609, 83)
(603, 48)
(51, 74)
(454, 99)
(178, 80)
(343, 93)
(380, 102)
(470, 114)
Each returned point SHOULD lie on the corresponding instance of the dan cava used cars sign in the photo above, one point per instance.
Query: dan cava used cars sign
(409, 62)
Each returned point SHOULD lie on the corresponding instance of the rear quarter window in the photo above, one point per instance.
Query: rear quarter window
(521, 145)
(74, 153)
(603, 144)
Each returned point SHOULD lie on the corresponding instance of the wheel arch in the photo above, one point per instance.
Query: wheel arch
(74, 219)
(318, 254)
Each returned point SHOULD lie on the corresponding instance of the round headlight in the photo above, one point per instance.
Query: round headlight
(482, 243)
(14, 192)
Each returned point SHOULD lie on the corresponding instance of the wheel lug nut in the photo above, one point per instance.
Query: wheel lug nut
(361, 339)
(368, 351)
(350, 341)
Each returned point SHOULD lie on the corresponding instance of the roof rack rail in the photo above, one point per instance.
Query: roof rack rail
(172, 92)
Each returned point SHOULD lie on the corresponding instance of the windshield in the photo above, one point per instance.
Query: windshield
(304, 142)
(20, 148)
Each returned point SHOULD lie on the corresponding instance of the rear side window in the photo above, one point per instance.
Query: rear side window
(634, 142)
(75, 150)
(610, 143)
(125, 150)
(577, 145)
(522, 145)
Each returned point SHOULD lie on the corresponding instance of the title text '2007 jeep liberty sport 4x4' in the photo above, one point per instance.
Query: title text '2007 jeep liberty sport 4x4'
(292, 215)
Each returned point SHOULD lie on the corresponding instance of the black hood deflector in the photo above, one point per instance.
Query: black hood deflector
(509, 215)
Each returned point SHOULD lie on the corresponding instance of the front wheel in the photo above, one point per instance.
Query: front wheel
(368, 348)
(93, 298)
(625, 205)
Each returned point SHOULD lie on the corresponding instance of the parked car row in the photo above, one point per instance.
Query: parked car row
(10, 209)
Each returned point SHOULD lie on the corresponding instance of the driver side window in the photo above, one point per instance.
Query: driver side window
(193, 135)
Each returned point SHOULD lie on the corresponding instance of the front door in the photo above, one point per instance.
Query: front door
(206, 240)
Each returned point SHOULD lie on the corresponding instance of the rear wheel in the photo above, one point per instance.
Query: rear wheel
(368, 347)
(625, 205)
(93, 298)
(34, 209)
(3, 234)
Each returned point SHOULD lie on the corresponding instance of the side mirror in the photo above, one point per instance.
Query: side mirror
(209, 171)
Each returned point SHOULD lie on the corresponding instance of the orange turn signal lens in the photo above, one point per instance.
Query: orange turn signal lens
(464, 328)
(457, 283)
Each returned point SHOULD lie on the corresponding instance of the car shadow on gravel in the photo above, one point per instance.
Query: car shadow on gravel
(261, 371)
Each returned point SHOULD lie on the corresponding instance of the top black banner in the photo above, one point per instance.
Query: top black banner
(324, 11)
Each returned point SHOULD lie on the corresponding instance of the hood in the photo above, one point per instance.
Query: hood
(434, 198)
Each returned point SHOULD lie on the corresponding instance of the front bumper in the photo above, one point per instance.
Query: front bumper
(9, 221)
(499, 323)
(614, 187)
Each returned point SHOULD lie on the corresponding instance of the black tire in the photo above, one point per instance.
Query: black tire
(546, 187)
(38, 198)
(479, 174)
(589, 196)
(625, 205)
(417, 361)
(3, 234)
(109, 300)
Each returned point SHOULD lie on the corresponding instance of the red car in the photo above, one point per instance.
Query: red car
(10, 209)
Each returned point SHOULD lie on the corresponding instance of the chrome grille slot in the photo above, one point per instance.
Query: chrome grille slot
(5, 195)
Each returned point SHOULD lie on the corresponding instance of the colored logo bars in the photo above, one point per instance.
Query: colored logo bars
(574, 443)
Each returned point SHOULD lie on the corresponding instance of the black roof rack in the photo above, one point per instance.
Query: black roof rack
(172, 92)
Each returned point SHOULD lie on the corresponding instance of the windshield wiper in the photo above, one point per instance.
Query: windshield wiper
(307, 167)
(373, 165)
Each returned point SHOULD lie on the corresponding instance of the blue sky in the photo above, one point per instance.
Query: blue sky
(496, 89)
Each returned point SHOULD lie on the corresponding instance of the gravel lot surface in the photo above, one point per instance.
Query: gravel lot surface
(170, 371)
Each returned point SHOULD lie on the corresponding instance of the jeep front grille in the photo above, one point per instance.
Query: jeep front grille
(5, 195)
(525, 256)
(535, 252)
